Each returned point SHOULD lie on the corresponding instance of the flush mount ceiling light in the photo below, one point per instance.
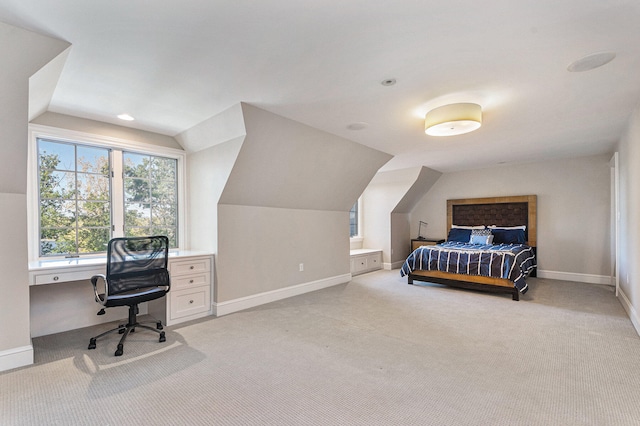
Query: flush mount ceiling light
(453, 119)
(591, 61)
(125, 117)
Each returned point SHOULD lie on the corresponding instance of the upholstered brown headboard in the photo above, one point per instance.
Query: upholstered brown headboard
(501, 211)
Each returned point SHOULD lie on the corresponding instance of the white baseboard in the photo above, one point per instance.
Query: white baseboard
(224, 308)
(394, 265)
(631, 311)
(16, 357)
(570, 276)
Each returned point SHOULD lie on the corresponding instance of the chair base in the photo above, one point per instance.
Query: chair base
(130, 327)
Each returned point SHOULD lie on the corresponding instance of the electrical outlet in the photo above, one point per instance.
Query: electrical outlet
(301, 267)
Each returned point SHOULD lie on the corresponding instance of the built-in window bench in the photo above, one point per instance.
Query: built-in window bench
(365, 260)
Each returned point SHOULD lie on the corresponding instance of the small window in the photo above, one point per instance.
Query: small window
(353, 220)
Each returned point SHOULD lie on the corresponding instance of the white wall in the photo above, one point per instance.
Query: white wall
(14, 288)
(400, 239)
(78, 124)
(381, 196)
(261, 249)
(573, 209)
(629, 244)
(208, 171)
(22, 53)
(387, 201)
(67, 306)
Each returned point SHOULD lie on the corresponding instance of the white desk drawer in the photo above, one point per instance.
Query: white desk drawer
(61, 277)
(190, 266)
(190, 281)
(190, 302)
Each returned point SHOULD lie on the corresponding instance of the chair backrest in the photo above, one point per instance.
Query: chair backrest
(137, 262)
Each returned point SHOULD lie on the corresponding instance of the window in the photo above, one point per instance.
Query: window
(353, 220)
(150, 196)
(74, 193)
(85, 190)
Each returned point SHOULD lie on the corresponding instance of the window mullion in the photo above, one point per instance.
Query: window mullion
(75, 199)
(117, 193)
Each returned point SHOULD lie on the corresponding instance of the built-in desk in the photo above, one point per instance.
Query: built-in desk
(191, 282)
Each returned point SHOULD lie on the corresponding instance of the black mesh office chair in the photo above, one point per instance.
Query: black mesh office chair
(136, 272)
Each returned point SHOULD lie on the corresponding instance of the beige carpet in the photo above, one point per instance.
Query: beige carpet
(375, 351)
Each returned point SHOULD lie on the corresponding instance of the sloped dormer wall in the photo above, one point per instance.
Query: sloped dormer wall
(283, 212)
(212, 149)
(387, 200)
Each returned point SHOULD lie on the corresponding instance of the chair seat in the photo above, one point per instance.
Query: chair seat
(134, 297)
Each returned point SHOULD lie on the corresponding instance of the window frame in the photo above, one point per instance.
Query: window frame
(359, 236)
(117, 197)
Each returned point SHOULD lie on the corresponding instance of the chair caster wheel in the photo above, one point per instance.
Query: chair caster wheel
(121, 331)
(92, 343)
(119, 351)
(159, 326)
(162, 338)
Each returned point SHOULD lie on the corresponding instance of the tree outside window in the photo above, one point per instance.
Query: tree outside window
(150, 196)
(74, 193)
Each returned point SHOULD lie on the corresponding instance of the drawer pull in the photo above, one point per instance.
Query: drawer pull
(56, 278)
(191, 267)
(190, 281)
(190, 301)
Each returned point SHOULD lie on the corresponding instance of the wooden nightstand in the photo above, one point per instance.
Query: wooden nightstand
(415, 242)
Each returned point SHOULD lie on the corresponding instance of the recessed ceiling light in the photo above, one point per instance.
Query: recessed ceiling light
(357, 126)
(591, 61)
(388, 82)
(126, 117)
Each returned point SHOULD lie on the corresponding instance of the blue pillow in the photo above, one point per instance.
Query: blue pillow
(481, 239)
(460, 235)
(508, 236)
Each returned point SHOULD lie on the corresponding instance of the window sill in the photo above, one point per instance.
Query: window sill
(355, 243)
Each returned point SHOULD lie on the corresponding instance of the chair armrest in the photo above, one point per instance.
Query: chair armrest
(94, 283)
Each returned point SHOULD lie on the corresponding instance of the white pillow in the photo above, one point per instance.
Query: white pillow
(523, 227)
(469, 227)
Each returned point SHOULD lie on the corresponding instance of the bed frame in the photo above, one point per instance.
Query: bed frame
(502, 211)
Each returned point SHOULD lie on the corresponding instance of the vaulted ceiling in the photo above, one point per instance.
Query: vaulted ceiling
(172, 65)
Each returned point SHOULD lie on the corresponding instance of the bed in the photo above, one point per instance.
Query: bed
(501, 267)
